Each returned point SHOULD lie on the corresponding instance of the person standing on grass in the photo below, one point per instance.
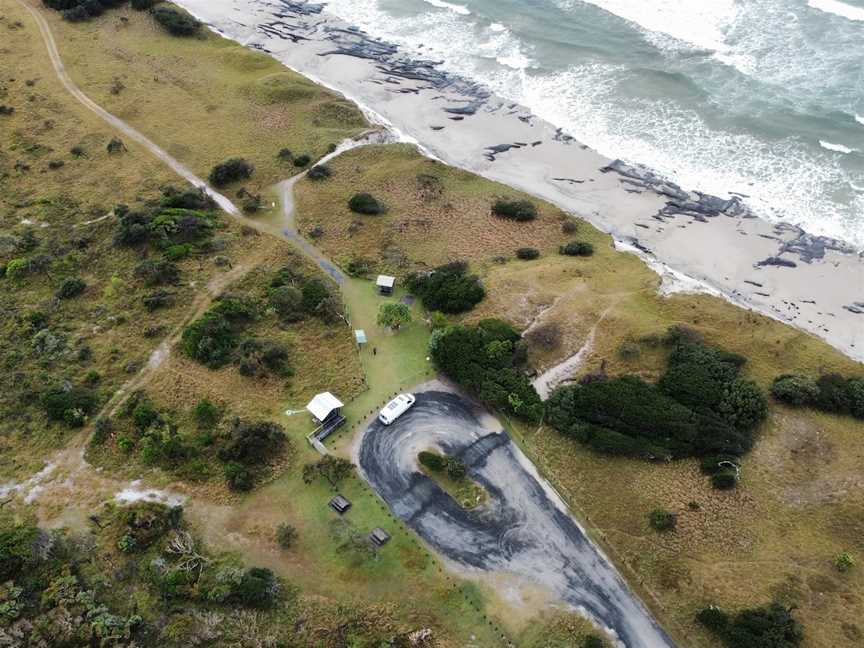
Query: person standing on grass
(374, 351)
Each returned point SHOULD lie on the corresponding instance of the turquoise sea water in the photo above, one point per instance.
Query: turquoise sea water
(761, 97)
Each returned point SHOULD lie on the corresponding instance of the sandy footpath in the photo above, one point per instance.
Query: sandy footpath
(813, 283)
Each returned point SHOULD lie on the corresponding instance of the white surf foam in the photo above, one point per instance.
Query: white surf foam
(838, 9)
(837, 148)
(701, 24)
(459, 9)
(859, 119)
(786, 179)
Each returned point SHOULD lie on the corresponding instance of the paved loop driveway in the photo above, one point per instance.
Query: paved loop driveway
(524, 528)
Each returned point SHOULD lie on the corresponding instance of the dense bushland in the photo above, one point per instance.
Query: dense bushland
(829, 393)
(771, 626)
(485, 359)
(699, 407)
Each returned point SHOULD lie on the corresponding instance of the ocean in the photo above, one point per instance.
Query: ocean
(760, 97)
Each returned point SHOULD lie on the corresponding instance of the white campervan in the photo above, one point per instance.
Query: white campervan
(396, 408)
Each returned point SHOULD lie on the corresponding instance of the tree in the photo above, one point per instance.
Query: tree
(394, 315)
(333, 469)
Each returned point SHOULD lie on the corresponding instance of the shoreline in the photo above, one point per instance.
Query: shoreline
(696, 242)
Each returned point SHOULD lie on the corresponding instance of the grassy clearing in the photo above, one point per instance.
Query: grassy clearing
(205, 98)
(435, 213)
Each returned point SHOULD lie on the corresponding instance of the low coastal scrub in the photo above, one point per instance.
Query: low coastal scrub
(55, 591)
(197, 446)
(772, 626)
(485, 359)
(448, 288)
(700, 407)
(527, 254)
(832, 393)
(518, 210)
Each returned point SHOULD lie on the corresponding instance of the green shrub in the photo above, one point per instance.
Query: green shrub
(286, 535)
(175, 21)
(70, 406)
(482, 359)
(302, 161)
(855, 396)
(18, 551)
(725, 479)
(287, 301)
(259, 588)
(252, 443)
(743, 405)
(569, 226)
(156, 300)
(798, 391)
(232, 170)
(577, 248)
(432, 461)
(157, 272)
(178, 252)
(364, 203)
(456, 469)
(662, 520)
(143, 5)
(319, 172)
(527, 254)
(593, 641)
(259, 357)
(207, 414)
(833, 396)
(625, 416)
(210, 340)
(698, 375)
(17, 268)
(518, 210)
(285, 155)
(765, 627)
(448, 288)
(71, 288)
(844, 562)
(238, 477)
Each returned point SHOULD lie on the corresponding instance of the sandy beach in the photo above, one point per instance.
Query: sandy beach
(714, 244)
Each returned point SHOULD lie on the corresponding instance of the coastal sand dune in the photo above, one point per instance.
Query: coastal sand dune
(813, 283)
